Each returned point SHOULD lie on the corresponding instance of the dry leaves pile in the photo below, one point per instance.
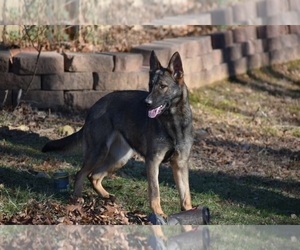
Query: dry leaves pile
(91, 212)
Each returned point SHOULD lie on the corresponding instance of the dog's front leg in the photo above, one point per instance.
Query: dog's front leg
(180, 169)
(152, 165)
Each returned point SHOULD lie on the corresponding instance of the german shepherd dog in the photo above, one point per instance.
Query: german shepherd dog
(156, 124)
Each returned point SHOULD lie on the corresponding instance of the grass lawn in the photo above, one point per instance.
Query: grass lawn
(245, 162)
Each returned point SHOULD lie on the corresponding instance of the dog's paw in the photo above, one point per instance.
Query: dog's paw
(76, 200)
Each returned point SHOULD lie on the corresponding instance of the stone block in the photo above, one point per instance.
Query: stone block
(24, 63)
(244, 34)
(218, 73)
(274, 43)
(295, 29)
(238, 67)
(271, 31)
(191, 65)
(218, 56)
(222, 16)
(253, 46)
(163, 52)
(294, 5)
(233, 52)
(174, 45)
(277, 56)
(265, 59)
(111, 81)
(197, 79)
(43, 99)
(82, 100)
(4, 61)
(243, 12)
(254, 61)
(88, 62)
(191, 46)
(201, 45)
(13, 81)
(268, 8)
(68, 81)
(126, 62)
(286, 18)
(289, 40)
(208, 61)
(221, 40)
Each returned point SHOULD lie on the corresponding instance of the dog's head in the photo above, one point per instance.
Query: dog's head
(166, 85)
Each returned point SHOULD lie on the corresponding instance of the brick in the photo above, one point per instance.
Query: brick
(208, 61)
(174, 45)
(221, 40)
(291, 17)
(254, 61)
(244, 34)
(288, 54)
(201, 45)
(13, 81)
(49, 63)
(190, 46)
(88, 62)
(239, 35)
(43, 99)
(218, 56)
(4, 61)
(120, 80)
(222, 16)
(191, 65)
(128, 62)
(219, 73)
(265, 58)
(277, 56)
(253, 46)
(271, 31)
(245, 11)
(68, 81)
(82, 100)
(268, 8)
(297, 52)
(238, 67)
(289, 40)
(233, 52)
(163, 52)
(294, 5)
(5, 98)
(295, 29)
(274, 43)
(197, 79)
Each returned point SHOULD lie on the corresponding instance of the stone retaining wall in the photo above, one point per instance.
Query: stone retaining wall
(77, 80)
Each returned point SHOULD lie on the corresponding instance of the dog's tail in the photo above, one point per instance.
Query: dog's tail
(64, 144)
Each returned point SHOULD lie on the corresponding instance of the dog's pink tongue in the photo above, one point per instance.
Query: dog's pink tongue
(154, 112)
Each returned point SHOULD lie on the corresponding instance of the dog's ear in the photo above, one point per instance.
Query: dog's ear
(154, 63)
(175, 66)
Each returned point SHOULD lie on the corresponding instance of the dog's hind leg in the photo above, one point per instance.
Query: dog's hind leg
(90, 161)
(119, 153)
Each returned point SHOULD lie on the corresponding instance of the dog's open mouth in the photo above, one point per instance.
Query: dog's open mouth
(152, 113)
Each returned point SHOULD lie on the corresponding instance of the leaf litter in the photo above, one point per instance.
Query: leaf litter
(240, 130)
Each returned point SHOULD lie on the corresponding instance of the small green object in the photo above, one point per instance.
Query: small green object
(61, 181)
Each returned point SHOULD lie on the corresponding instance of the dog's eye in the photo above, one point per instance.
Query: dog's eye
(162, 86)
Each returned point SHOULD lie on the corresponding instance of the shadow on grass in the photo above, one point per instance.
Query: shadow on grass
(277, 196)
(34, 186)
(258, 83)
(259, 192)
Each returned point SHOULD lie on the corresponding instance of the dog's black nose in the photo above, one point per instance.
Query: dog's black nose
(148, 101)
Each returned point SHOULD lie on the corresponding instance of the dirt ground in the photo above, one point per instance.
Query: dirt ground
(246, 151)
